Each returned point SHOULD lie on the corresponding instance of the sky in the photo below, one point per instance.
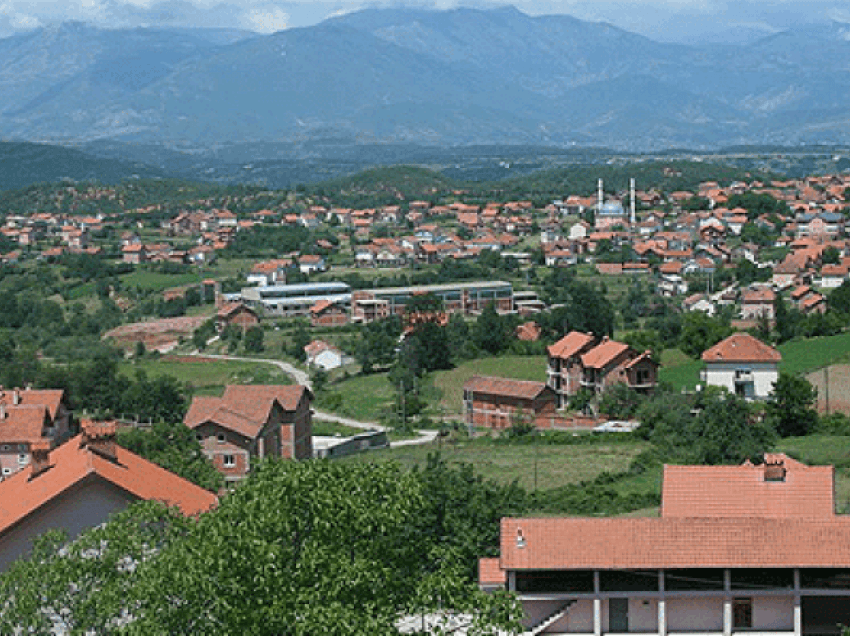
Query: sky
(684, 21)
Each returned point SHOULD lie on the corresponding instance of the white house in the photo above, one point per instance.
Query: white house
(324, 355)
(744, 365)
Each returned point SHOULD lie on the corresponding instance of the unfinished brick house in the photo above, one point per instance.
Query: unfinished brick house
(499, 403)
(580, 361)
(327, 313)
(252, 422)
(236, 314)
(737, 550)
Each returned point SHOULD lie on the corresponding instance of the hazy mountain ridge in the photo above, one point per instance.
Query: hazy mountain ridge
(428, 77)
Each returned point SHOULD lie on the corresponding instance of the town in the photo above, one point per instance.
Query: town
(619, 406)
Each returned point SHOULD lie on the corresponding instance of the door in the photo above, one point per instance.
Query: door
(618, 615)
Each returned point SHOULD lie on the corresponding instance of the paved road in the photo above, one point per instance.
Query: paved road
(302, 377)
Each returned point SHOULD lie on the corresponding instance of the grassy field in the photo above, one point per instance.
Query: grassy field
(450, 383)
(156, 281)
(679, 370)
(802, 356)
(362, 397)
(208, 377)
(556, 465)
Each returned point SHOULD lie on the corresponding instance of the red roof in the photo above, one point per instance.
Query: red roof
(523, 389)
(22, 494)
(49, 398)
(571, 344)
(490, 572)
(743, 492)
(741, 347)
(566, 543)
(23, 424)
(603, 354)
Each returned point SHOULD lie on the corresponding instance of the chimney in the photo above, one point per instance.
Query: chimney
(99, 437)
(774, 469)
(2, 411)
(16, 397)
(40, 457)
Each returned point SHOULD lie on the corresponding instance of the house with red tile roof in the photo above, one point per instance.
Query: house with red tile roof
(327, 313)
(249, 422)
(742, 364)
(237, 314)
(580, 361)
(500, 403)
(27, 418)
(757, 303)
(737, 549)
(79, 484)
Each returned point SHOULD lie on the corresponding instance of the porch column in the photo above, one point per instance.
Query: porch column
(597, 606)
(511, 581)
(727, 603)
(662, 605)
(798, 605)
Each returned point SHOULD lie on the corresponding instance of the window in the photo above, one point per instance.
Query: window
(199, 437)
(5, 447)
(23, 458)
(7, 471)
(742, 613)
(229, 461)
(221, 438)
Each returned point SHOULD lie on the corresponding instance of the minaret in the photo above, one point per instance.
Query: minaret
(601, 197)
(632, 202)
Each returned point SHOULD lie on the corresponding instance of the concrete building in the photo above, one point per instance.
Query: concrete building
(296, 300)
(463, 298)
(737, 550)
(743, 365)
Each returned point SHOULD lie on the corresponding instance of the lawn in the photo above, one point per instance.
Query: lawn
(208, 377)
(556, 465)
(802, 356)
(362, 397)
(678, 369)
(450, 383)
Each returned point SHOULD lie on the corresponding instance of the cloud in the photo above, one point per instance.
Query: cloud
(265, 20)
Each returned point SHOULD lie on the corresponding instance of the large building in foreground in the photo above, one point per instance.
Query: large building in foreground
(457, 298)
(750, 549)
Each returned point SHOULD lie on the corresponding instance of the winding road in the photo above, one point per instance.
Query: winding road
(302, 377)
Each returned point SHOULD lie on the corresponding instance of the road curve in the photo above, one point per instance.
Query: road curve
(303, 378)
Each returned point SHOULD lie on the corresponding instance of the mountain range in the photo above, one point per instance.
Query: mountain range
(421, 76)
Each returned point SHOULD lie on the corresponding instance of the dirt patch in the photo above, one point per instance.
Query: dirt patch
(839, 388)
(156, 334)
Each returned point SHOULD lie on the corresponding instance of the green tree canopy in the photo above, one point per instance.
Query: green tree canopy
(790, 407)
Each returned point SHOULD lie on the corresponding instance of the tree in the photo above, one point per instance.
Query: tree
(489, 332)
(700, 332)
(433, 346)
(254, 339)
(313, 548)
(839, 299)
(300, 340)
(790, 406)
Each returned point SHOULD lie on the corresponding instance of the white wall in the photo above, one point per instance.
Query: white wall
(764, 376)
(695, 614)
(773, 613)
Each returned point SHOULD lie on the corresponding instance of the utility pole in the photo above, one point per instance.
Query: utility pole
(826, 382)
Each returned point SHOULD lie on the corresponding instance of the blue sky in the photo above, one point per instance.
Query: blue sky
(666, 20)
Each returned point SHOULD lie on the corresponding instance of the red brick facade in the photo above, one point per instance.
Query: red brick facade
(498, 403)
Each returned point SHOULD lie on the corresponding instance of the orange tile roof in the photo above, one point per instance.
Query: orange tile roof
(288, 396)
(741, 347)
(565, 543)
(22, 494)
(570, 345)
(490, 572)
(50, 398)
(524, 389)
(23, 424)
(742, 491)
(603, 354)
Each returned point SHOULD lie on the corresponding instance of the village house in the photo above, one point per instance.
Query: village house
(757, 303)
(79, 484)
(327, 313)
(29, 417)
(324, 355)
(500, 403)
(579, 361)
(312, 263)
(236, 314)
(743, 365)
(252, 422)
(736, 550)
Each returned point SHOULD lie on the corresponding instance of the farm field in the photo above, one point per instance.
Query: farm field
(820, 450)
(208, 376)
